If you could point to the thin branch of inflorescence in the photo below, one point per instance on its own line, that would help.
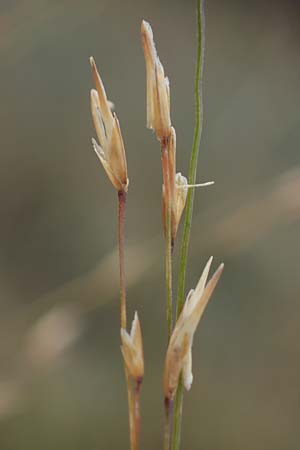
(168, 238)
(132, 398)
(121, 220)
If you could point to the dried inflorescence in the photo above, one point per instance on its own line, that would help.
(110, 149)
(179, 353)
(175, 185)
(158, 119)
(158, 88)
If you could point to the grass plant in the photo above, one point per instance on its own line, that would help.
(177, 195)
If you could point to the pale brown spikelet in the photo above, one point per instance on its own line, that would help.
(178, 200)
(179, 355)
(132, 350)
(158, 89)
(110, 149)
(181, 189)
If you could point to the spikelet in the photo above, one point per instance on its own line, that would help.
(181, 189)
(158, 89)
(179, 353)
(178, 202)
(110, 149)
(132, 350)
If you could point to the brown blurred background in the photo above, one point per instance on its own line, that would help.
(61, 378)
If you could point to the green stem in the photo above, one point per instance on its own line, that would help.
(190, 201)
(194, 155)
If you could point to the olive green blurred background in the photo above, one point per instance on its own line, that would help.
(61, 376)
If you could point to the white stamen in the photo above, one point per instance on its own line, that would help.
(208, 183)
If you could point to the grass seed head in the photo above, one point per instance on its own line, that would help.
(110, 149)
(132, 350)
(181, 190)
(158, 88)
(179, 353)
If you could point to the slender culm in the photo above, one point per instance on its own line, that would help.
(190, 199)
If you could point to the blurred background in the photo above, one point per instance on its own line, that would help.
(61, 375)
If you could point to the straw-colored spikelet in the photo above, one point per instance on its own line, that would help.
(178, 201)
(177, 204)
(181, 189)
(110, 149)
(179, 353)
(158, 90)
(132, 350)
